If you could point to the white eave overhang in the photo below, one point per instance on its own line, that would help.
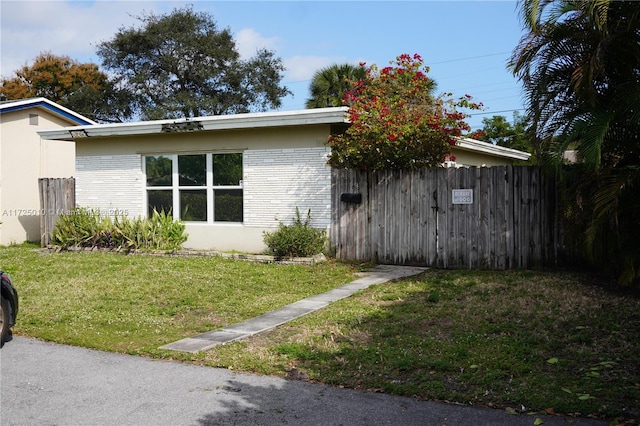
(337, 115)
(219, 122)
(467, 144)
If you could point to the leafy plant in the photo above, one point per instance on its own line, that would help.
(78, 228)
(396, 121)
(84, 227)
(329, 85)
(588, 101)
(296, 240)
(77, 86)
(181, 64)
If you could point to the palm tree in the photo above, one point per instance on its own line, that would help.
(579, 63)
(330, 84)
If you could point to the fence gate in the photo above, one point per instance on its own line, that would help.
(56, 196)
(472, 218)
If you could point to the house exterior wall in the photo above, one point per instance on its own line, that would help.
(283, 168)
(278, 181)
(113, 184)
(24, 158)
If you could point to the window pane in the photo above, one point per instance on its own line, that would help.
(193, 205)
(227, 169)
(228, 205)
(192, 170)
(158, 170)
(160, 201)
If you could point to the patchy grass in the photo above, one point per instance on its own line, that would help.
(552, 342)
(538, 341)
(136, 303)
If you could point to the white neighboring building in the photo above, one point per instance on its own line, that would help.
(25, 157)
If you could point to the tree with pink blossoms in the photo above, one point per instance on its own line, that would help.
(397, 122)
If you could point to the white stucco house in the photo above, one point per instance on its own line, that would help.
(25, 157)
(228, 177)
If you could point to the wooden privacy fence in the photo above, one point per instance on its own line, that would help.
(467, 218)
(56, 196)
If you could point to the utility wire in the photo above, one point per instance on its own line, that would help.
(428, 64)
(497, 112)
(466, 59)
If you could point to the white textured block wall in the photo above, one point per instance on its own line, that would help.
(276, 181)
(112, 183)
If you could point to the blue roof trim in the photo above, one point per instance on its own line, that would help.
(48, 106)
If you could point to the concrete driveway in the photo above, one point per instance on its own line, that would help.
(50, 384)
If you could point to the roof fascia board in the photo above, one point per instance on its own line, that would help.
(491, 149)
(48, 105)
(218, 122)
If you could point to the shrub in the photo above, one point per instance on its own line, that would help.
(299, 239)
(83, 227)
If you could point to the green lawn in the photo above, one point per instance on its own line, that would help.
(136, 303)
(546, 341)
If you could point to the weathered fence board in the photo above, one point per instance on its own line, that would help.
(408, 217)
(56, 196)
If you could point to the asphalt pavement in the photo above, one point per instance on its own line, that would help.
(49, 384)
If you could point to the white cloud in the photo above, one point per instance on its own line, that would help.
(248, 41)
(303, 67)
(61, 27)
(75, 28)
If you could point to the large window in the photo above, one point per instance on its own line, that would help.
(200, 187)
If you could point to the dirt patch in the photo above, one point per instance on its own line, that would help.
(261, 258)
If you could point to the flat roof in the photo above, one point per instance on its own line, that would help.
(335, 115)
(217, 122)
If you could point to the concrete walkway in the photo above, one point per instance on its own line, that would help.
(202, 342)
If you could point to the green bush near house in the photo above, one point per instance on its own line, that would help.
(299, 239)
(84, 227)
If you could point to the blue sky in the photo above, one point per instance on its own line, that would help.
(466, 44)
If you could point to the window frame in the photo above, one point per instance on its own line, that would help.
(209, 186)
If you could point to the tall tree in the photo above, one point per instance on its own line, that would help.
(181, 65)
(81, 87)
(330, 85)
(579, 62)
(500, 131)
(396, 121)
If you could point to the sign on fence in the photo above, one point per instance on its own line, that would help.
(462, 196)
